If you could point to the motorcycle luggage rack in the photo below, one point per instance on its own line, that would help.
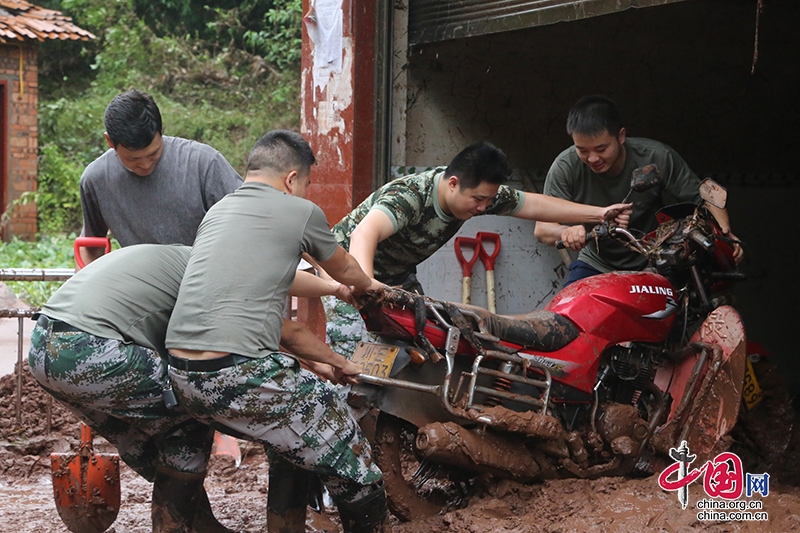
(542, 384)
(451, 347)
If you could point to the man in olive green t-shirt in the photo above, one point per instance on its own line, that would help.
(597, 171)
(225, 339)
(98, 348)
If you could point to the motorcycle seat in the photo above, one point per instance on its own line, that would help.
(540, 330)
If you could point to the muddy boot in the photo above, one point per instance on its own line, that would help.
(367, 514)
(204, 520)
(287, 497)
(174, 500)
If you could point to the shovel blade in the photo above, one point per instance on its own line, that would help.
(86, 490)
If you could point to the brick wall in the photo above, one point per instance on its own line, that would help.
(19, 151)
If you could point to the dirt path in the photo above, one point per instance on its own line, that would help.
(238, 495)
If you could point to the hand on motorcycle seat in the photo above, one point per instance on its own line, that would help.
(373, 294)
(574, 237)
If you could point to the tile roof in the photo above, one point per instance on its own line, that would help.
(21, 20)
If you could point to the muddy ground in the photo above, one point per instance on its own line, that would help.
(238, 495)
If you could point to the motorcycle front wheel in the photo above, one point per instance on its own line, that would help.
(415, 487)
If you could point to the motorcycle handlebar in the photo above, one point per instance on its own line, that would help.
(602, 231)
(702, 239)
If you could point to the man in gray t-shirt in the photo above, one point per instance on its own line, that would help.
(148, 188)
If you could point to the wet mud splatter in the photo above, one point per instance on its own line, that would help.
(238, 495)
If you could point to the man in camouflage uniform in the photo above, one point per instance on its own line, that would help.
(225, 336)
(407, 220)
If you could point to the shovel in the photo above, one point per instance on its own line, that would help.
(466, 264)
(488, 262)
(86, 487)
(89, 242)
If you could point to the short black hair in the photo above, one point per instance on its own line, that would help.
(477, 163)
(281, 151)
(132, 120)
(593, 115)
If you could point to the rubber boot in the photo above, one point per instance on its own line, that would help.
(287, 497)
(204, 520)
(367, 514)
(174, 500)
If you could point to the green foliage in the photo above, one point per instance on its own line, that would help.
(51, 252)
(75, 125)
(189, 54)
(198, 58)
(57, 199)
(280, 40)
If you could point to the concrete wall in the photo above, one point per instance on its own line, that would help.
(681, 74)
(20, 152)
(527, 274)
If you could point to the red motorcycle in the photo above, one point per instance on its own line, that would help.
(613, 372)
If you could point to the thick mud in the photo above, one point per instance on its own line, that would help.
(238, 494)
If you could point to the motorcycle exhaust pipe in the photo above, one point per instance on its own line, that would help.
(457, 446)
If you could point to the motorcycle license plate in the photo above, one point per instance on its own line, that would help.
(751, 392)
(375, 359)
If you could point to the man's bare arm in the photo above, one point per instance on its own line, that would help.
(545, 208)
(301, 342)
(88, 255)
(344, 268)
(722, 218)
(375, 227)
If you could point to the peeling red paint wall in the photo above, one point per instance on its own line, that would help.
(337, 118)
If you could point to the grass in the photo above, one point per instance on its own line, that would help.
(49, 252)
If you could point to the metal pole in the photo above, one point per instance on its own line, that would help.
(36, 274)
(19, 372)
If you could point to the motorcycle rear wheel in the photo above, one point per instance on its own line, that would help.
(415, 488)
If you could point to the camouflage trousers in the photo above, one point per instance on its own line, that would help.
(115, 388)
(344, 327)
(291, 411)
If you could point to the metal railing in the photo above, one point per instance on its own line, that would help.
(29, 274)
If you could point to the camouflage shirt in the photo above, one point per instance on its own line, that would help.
(420, 225)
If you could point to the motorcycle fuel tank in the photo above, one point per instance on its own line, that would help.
(620, 306)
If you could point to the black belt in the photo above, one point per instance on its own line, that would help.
(207, 365)
(57, 325)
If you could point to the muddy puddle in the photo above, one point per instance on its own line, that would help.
(239, 494)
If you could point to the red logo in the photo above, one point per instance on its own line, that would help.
(723, 476)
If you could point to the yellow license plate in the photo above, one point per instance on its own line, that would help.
(751, 392)
(375, 359)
